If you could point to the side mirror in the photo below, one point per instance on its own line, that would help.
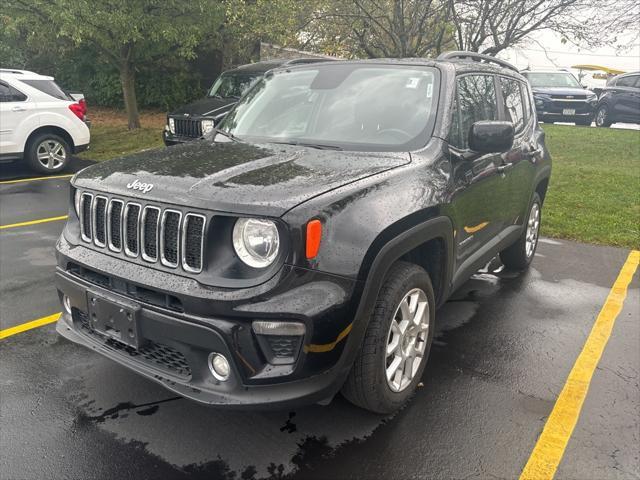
(489, 136)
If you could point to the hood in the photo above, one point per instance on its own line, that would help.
(207, 106)
(235, 177)
(562, 91)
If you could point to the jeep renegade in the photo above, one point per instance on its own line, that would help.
(303, 247)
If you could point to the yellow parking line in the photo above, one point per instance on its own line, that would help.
(34, 222)
(549, 449)
(7, 332)
(22, 180)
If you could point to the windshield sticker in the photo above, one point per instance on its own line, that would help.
(412, 82)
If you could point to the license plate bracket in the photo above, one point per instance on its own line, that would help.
(568, 111)
(116, 319)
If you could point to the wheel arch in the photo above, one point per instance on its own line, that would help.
(61, 132)
(428, 244)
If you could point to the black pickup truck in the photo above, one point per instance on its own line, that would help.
(303, 247)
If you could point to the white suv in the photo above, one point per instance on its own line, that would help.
(40, 122)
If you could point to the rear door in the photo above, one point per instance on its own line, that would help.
(14, 110)
(477, 201)
(519, 162)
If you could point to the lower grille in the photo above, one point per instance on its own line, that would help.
(155, 354)
(188, 127)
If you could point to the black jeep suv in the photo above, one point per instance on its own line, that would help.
(304, 246)
(192, 121)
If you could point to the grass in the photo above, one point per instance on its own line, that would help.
(110, 137)
(593, 197)
(594, 193)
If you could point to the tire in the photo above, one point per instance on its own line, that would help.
(47, 153)
(519, 255)
(603, 118)
(367, 385)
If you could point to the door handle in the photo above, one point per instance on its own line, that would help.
(504, 167)
(18, 109)
(534, 153)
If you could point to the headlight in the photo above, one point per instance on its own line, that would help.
(207, 126)
(76, 202)
(172, 126)
(256, 241)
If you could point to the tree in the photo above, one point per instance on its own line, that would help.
(490, 26)
(380, 28)
(127, 33)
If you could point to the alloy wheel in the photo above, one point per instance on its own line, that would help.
(51, 154)
(407, 340)
(533, 229)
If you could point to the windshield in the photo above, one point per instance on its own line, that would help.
(553, 80)
(232, 85)
(349, 106)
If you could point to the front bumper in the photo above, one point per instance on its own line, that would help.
(176, 344)
(556, 110)
(169, 139)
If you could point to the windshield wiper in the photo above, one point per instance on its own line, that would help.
(229, 135)
(319, 146)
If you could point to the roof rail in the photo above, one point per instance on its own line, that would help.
(478, 57)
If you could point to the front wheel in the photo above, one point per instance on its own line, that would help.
(48, 153)
(519, 255)
(603, 119)
(397, 342)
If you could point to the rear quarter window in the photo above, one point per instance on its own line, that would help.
(49, 87)
(513, 104)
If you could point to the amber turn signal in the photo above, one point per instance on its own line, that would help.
(314, 234)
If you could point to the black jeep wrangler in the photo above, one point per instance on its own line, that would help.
(304, 246)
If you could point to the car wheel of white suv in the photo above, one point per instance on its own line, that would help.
(48, 153)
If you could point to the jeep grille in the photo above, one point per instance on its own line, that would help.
(156, 235)
(185, 127)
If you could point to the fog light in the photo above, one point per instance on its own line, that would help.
(219, 366)
(66, 303)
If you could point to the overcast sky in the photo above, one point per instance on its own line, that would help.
(546, 50)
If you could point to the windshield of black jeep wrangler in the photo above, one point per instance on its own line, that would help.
(348, 106)
(232, 85)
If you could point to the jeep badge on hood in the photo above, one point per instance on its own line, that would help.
(138, 185)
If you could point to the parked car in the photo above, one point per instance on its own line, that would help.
(619, 101)
(559, 97)
(40, 123)
(303, 248)
(198, 118)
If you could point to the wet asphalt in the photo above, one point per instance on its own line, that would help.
(504, 347)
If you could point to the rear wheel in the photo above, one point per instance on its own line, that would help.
(48, 153)
(603, 118)
(397, 342)
(519, 255)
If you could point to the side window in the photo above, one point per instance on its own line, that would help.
(626, 81)
(514, 110)
(10, 94)
(528, 108)
(476, 100)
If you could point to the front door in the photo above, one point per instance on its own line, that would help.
(479, 182)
